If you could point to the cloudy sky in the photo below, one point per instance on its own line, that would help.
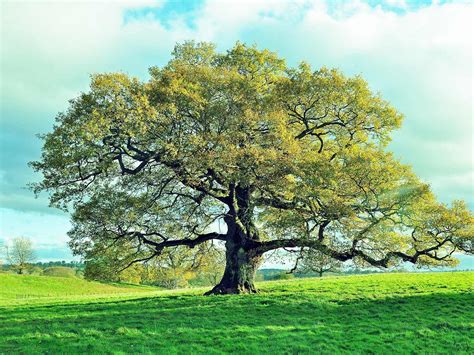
(418, 54)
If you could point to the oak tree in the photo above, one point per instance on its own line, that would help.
(239, 148)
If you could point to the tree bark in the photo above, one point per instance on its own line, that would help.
(242, 258)
(240, 269)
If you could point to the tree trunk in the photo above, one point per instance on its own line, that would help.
(240, 269)
(242, 261)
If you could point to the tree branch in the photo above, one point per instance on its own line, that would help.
(263, 247)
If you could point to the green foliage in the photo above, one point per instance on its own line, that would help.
(282, 275)
(59, 271)
(389, 313)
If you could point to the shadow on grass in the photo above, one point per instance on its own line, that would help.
(434, 323)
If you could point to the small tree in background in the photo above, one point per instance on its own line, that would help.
(315, 261)
(21, 254)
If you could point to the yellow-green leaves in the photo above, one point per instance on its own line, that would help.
(119, 103)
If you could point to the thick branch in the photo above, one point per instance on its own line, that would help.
(263, 247)
(189, 242)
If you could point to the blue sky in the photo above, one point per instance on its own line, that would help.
(418, 54)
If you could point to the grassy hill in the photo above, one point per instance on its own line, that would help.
(21, 288)
(384, 313)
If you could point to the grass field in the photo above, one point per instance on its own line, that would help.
(385, 313)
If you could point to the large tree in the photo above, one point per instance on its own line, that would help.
(240, 148)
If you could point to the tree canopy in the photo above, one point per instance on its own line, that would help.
(240, 148)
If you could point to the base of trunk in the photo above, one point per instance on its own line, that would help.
(239, 274)
(221, 289)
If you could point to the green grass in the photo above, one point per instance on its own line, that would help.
(387, 313)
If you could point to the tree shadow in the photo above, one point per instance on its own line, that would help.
(429, 322)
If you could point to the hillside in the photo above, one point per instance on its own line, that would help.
(28, 288)
(383, 313)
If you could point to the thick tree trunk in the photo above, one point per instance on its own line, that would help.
(242, 261)
(240, 269)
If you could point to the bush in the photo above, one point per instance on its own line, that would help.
(173, 278)
(35, 270)
(105, 271)
(59, 271)
(281, 276)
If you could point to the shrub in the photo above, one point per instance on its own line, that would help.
(59, 271)
(282, 276)
(35, 270)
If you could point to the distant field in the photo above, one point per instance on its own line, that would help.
(384, 313)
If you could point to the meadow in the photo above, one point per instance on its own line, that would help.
(383, 313)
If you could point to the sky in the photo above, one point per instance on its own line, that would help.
(417, 54)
